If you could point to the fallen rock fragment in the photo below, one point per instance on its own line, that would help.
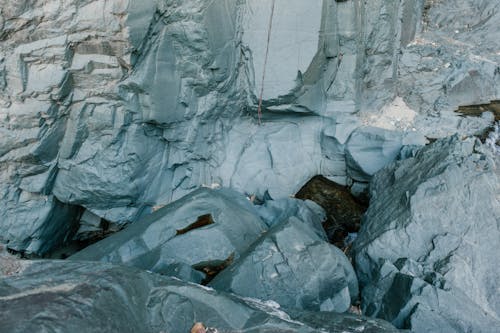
(343, 211)
(200, 232)
(294, 267)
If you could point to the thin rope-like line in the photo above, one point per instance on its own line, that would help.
(259, 110)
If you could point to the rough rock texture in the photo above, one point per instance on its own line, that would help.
(209, 231)
(455, 60)
(119, 106)
(201, 230)
(343, 211)
(59, 296)
(426, 251)
(273, 212)
(295, 267)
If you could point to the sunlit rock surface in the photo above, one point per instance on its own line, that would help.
(295, 267)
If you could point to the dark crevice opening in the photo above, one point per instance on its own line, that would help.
(212, 268)
(200, 222)
(343, 210)
(106, 229)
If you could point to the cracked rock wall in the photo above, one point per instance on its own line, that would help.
(114, 107)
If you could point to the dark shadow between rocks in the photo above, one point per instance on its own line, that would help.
(478, 109)
(77, 243)
(212, 268)
(343, 210)
(200, 222)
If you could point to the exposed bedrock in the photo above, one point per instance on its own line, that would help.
(295, 267)
(99, 297)
(428, 240)
(116, 113)
(202, 229)
(217, 237)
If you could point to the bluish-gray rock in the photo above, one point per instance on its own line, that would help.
(452, 61)
(122, 114)
(69, 296)
(295, 267)
(369, 149)
(273, 212)
(426, 251)
(205, 228)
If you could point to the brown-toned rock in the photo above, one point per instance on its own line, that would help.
(343, 211)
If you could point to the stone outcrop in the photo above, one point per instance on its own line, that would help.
(218, 234)
(427, 245)
(199, 231)
(120, 114)
(293, 266)
(63, 296)
(115, 113)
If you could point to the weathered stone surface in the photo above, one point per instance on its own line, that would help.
(143, 103)
(273, 212)
(201, 230)
(62, 296)
(288, 58)
(295, 267)
(334, 322)
(453, 61)
(370, 148)
(426, 248)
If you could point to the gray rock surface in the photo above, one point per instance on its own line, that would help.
(172, 240)
(62, 296)
(370, 148)
(454, 61)
(426, 251)
(273, 212)
(295, 267)
(146, 101)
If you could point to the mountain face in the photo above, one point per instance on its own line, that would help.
(112, 109)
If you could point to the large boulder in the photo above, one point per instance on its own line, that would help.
(70, 296)
(204, 229)
(295, 267)
(426, 251)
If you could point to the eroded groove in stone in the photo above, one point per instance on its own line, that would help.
(200, 222)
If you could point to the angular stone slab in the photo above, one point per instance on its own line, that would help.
(202, 229)
(293, 266)
(426, 251)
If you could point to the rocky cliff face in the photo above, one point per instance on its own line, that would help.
(113, 107)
